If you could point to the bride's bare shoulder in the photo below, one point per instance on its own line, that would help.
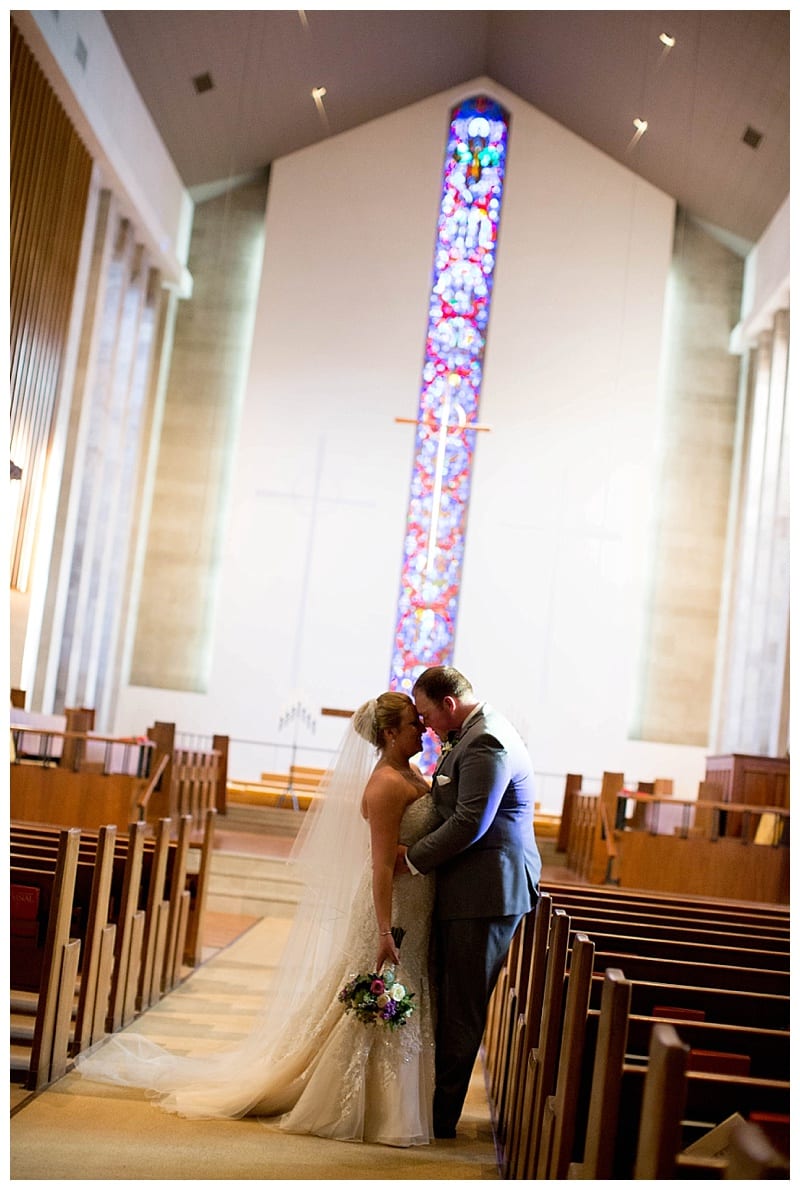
(386, 787)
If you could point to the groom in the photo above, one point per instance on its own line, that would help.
(487, 869)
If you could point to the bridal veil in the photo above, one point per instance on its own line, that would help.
(328, 857)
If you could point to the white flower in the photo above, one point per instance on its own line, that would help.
(398, 992)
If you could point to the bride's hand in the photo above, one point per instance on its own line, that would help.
(387, 952)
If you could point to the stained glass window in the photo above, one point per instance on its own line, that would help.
(463, 272)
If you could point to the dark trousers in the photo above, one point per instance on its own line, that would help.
(469, 957)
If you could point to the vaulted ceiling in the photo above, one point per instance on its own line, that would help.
(230, 91)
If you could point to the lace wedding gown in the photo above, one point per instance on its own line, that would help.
(331, 1074)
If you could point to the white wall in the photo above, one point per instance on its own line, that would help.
(552, 589)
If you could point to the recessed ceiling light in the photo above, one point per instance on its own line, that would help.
(318, 94)
(666, 40)
(640, 125)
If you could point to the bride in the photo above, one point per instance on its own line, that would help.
(321, 1069)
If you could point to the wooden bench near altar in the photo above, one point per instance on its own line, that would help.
(65, 774)
(710, 846)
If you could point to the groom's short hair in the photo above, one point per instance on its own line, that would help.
(440, 681)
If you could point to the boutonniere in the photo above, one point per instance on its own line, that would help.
(452, 736)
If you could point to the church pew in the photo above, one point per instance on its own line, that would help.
(502, 1006)
(759, 1057)
(47, 1060)
(639, 965)
(705, 952)
(694, 930)
(674, 905)
(196, 876)
(721, 1005)
(610, 1109)
(134, 948)
(766, 1049)
(560, 1105)
(102, 994)
(538, 1072)
(178, 914)
(524, 1010)
(98, 949)
(608, 1094)
(124, 888)
(515, 1154)
(202, 846)
(709, 1100)
(192, 780)
(89, 923)
(156, 905)
(598, 1114)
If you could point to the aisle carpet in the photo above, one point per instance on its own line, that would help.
(77, 1129)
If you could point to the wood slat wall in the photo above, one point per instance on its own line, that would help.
(49, 186)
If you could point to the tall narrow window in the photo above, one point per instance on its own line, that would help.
(463, 272)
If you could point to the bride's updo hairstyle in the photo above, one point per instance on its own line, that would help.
(373, 718)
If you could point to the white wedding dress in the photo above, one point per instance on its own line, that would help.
(326, 1073)
(370, 1082)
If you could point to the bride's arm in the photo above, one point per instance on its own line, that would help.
(385, 800)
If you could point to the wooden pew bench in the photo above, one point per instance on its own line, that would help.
(768, 936)
(194, 856)
(105, 925)
(766, 1050)
(639, 965)
(685, 908)
(44, 1057)
(705, 951)
(720, 1005)
(539, 1061)
(709, 1100)
(615, 1136)
(136, 917)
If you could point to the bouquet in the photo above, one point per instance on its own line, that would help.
(379, 997)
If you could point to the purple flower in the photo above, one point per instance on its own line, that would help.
(377, 986)
(389, 1011)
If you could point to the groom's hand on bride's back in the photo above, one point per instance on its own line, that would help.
(400, 865)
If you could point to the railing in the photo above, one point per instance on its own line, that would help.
(713, 820)
(709, 847)
(77, 750)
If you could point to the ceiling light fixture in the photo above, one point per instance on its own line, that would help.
(641, 128)
(666, 40)
(318, 94)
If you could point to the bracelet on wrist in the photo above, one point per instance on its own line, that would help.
(384, 933)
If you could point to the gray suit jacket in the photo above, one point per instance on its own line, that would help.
(484, 853)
